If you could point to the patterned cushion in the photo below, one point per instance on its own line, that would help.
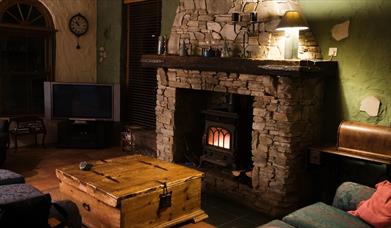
(276, 224)
(9, 177)
(349, 194)
(23, 206)
(17, 192)
(320, 215)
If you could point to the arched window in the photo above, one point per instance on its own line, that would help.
(27, 41)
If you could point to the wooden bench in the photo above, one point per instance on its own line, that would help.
(361, 141)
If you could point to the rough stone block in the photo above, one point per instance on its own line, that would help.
(255, 86)
(173, 44)
(218, 7)
(213, 26)
(220, 89)
(193, 29)
(179, 85)
(188, 4)
(244, 91)
(216, 36)
(247, 77)
(162, 77)
(200, 4)
(228, 32)
(205, 18)
(192, 23)
(223, 18)
(170, 92)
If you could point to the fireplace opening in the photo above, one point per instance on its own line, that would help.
(213, 131)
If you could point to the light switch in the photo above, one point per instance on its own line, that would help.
(333, 51)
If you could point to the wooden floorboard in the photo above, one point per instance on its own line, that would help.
(38, 166)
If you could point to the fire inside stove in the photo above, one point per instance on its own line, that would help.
(219, 137)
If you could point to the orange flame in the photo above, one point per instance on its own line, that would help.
(219, 137)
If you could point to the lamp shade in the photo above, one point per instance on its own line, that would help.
(292, 20)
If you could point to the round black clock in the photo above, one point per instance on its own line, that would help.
(78, 25)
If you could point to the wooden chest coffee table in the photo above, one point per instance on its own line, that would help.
(133, 191)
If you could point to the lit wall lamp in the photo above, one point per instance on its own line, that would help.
(292, 22)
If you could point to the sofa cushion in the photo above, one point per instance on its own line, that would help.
(23, 206)
(349, 195)
(9, 177)
(320, 215)
(276, 224)
(377, 209)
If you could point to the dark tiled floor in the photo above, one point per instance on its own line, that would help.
(228, 214)
(38, 166)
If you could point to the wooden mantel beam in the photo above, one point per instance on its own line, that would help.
(287, 68)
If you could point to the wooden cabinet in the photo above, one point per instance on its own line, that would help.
(134, 191)
(90, 134)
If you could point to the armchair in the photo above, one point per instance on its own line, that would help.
(22, 205)
(4, 139)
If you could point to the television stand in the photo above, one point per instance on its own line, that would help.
(85, 134)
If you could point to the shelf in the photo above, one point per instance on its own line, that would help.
(288, 68)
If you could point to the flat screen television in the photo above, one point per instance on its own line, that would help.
(77, 101)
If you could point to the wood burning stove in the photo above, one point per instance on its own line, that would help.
(219, 140)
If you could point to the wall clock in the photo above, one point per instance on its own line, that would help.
(78, 24)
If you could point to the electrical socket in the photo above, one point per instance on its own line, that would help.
(333, 51)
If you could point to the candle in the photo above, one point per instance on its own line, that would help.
(235, 17)
(253, 17)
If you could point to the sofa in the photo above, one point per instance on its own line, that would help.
(321, 215)
(22, 205)
(4, 139)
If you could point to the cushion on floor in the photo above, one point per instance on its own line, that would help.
(23, 206)
(320, 215)
(276, 224)
(9, 177)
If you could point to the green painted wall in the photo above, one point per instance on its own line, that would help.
(364, 57)
(109, 37)
(168, 14)
(364, 60)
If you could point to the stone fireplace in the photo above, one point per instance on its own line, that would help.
(285, 120)
(285, 99)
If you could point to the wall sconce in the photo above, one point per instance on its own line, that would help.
(292, 22)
